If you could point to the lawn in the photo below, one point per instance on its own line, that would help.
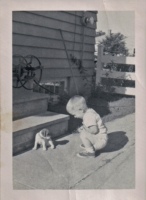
(113, 107)
(109, 107)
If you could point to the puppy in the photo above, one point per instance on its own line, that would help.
(43, 138)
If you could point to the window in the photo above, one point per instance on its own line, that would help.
(54, 88)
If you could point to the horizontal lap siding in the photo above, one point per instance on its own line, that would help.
(48, 33)
(63, 63)
(61, 73)
(38, 33)
(80, 13)
(50, 53)
(26, 17)
(40, 42)
(72, 19)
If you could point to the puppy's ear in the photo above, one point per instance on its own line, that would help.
(47, 132)
(43, 133)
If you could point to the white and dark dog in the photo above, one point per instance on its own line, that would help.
(43, 139)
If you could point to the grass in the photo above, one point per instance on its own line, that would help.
(120, 108)
(108, 106)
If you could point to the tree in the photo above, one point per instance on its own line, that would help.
(114, 43)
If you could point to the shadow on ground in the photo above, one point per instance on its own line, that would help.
(62, 142)
(116, 141)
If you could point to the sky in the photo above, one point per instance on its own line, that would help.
(118, 21)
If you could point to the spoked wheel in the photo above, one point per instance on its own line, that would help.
(33, 72)
(19, 64)
(27, 71)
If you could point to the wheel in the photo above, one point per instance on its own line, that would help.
(19, 64)
(33, 72)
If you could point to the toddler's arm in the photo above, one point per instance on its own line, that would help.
(91, 129)
(80, 129)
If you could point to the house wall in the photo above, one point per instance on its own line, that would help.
(38, 33)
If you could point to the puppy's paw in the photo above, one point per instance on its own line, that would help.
(34, 148)
(52, 147)
(44, 149)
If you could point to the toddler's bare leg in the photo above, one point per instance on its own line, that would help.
(86, 141)
(101, 141)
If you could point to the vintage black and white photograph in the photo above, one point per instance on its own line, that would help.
(73, 86)
(72, 100)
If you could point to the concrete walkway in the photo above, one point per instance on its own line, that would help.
(113, 168)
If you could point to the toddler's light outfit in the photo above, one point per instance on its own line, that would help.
(97, 141)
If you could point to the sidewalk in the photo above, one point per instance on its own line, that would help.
(60, 168)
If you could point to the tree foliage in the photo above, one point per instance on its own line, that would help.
(115, 44)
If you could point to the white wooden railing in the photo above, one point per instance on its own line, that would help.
(121, 82)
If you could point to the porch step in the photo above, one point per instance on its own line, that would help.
(27, 103)
(24, 130)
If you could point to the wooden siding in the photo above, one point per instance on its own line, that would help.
(49, 43)
(38, 33)
(40, 20)
(48, 33)
(61, 73)
(51, 53)
(75, 17)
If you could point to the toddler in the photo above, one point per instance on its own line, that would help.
(93, 132)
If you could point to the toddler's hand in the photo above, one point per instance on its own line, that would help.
(80, 129)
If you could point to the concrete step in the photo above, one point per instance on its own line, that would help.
(27, 103)
(24, 130)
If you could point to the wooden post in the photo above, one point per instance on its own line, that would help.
(99, 64)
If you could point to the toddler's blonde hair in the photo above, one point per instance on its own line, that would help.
(76, 103)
